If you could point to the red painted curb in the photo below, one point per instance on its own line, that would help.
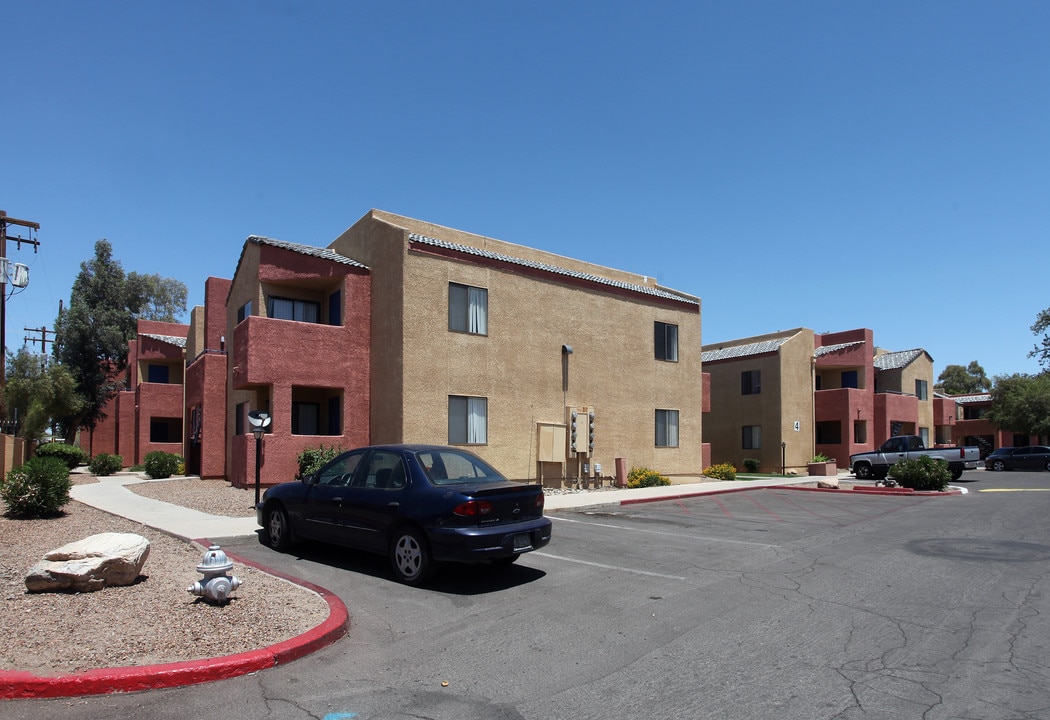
(17, 684)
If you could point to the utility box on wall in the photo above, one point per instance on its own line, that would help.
(550, 445)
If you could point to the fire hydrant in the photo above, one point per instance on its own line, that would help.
(216, 584)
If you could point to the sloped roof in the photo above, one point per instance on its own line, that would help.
(553, 269)
(828, 349)
(169, 339)
(975, 398)
(323, 253)
(897, 360)
(739, 351)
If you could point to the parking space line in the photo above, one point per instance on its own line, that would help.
(610, 567)
(660, 532)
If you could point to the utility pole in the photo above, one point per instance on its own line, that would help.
(43, 338)
(6, 221)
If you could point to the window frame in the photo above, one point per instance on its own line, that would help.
(748, 437)
(667, 433)
(471, 432)
(468, 312)
(299, 307)
(665, 341)
(751, 382)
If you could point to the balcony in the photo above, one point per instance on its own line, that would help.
(268, 351)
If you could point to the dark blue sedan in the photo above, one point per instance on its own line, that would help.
(419, 504)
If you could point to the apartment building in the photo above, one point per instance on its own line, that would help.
(147, 412)
(784, 397)
(553, 369)
(973, 428)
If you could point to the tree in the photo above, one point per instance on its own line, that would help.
(1042, 350)
(37, 392)
(959, 380)
(1021, 403)
(92, 334)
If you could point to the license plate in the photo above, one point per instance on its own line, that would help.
(522, 542)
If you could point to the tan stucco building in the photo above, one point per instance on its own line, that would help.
(785, 397)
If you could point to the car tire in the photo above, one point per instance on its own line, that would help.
(956, 474)
(862, 471)
(410, 557)
(1048, 464)
(998, 465)
(278, 530)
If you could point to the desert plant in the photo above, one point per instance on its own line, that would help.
(71, 455)
(819, 458)
(36, 489)
(751, 464)
(160, 465)
(312, 459)
(644, 477)
(922, 473)
(105, 464)
(722, 471)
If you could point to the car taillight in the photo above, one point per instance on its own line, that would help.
(539, 501)
(473, 508)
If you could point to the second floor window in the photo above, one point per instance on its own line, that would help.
(244, 311)
(922, 390)
(751, 382)
(468, 309)
(288, 309)
(665, 341)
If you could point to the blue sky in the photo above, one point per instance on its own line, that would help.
(829, 165)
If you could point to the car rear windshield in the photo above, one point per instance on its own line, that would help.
(451, 467)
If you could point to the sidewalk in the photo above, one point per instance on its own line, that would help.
(111, 495)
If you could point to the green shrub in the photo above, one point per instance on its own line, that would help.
(723, 471)
(751, 464)
(160, 465)
(819, 458)
(105, 464)
(71, 455)
(312, 459)
(922, 473)
(644, 477)
(36, 489)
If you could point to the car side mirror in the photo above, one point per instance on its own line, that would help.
(309, 479)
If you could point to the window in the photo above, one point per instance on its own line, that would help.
(335, 308)
(468, 309)
(291, 309)
(921, 390)
(306, 417)
(240, 413)
(752, 437)
(849, 379)
(165, 430)
(341, 470)
(666, 428)
(924, 433)
(665, 341)
(468, 419)
(157, 374)
(244, 311)
(751, 382)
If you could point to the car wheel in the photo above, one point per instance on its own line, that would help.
(862, 471)
(1048, 464)
(278, 531)
(956, 474)
(998, 465)
(410, 557)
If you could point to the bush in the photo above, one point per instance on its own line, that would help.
(160, 465)
(644, 477)
(751, 464)
(922, 473)
(36, 489)
(819, 458)
(723, 471)
(105, 464)
(312, 459)
(71, 455)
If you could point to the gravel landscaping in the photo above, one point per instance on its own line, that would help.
(152, 621)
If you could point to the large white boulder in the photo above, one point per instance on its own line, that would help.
(90, 564)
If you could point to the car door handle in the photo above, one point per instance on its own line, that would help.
(393, 505)
(337, 500)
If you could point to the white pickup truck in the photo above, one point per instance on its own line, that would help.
(877, 464)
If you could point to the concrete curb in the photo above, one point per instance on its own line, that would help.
(865, 491)
(23, 685)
